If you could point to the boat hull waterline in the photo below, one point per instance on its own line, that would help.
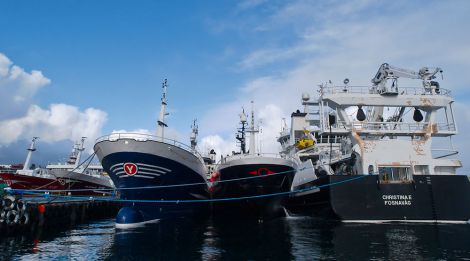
(253, 178)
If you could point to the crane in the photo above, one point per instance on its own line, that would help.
(386, 72)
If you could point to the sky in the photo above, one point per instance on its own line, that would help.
(88, 68)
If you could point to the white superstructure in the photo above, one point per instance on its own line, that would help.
(384, 129)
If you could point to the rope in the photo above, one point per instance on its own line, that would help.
(167, 186)
(217, 199)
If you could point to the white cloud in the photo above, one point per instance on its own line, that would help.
(267, 120)
(220, 145)
(17, 87)
(59, 122)
(21, 119)
(268, 56)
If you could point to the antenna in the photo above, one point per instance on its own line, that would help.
(161, 119)
(252, 130)
(241, 132)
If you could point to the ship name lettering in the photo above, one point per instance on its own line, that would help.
(397, 200)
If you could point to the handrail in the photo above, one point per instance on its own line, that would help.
(9, 171)
(240, 156)
(147, 137)
(393, 126)
(368, 90)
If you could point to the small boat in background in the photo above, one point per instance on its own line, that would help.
(81, 175)
(58, 177)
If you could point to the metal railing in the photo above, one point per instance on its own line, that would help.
(393, 126)
(146, 137)
(370, 90)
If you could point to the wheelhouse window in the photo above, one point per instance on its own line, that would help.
(389, 174)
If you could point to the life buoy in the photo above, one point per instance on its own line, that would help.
(11, 217)
(8, 202)
(215, 176)
(23, 219)
(21, 206)
(2, 216)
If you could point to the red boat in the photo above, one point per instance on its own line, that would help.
(59, 177)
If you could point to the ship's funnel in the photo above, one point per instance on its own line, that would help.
(417, 115)
(360, 116)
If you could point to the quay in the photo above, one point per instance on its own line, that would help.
(28, 214)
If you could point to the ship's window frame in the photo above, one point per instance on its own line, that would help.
(395, 174)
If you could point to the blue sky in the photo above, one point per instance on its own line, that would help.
(99, 64)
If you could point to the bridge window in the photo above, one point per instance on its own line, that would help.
(389, 174)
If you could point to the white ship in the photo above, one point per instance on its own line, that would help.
(367, 152)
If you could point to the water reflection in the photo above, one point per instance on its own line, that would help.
(166, 240)
(331, 240)
(295, 238)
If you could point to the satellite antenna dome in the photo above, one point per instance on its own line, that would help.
(346, 81)
(305, 97)
(242, 117)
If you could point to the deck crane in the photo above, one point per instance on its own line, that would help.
(386, 72)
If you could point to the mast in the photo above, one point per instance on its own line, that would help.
(30, 153)
(78, 151)
(194, 132)
(241, 132)
(252, 130)
(161, 119)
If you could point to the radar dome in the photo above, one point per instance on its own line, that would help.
(305, 96)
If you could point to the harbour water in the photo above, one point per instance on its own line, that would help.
(291, 238)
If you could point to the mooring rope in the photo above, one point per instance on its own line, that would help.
(214, 199)
(162, 186)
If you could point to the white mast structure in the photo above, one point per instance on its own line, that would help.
(78, 148)
(161, 119)
(252, 131)
(31, 148)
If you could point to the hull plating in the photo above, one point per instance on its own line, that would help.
(430, 198)
(26, 182)
(261, 182)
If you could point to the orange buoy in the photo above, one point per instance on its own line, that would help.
(42, 209)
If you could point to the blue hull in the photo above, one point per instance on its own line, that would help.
(154, 171)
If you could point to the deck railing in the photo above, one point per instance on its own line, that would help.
(392, 127)
(370, 90)
(147, 137)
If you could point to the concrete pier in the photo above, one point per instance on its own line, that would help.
(28, 214)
